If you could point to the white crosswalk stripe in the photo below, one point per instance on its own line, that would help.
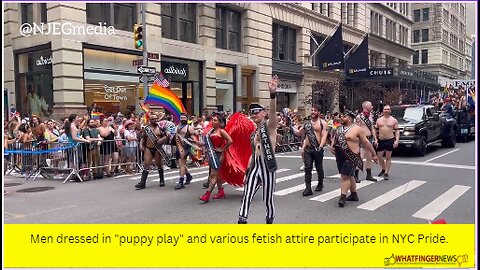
(442, 202)
(286, 178)
(391, 195)
(335, 193)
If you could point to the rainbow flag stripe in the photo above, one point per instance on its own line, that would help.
(159, 95)
(96, 115)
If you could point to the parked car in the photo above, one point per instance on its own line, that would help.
(421, 126)
(466, 125)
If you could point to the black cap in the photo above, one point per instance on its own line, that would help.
(255, 107)
(349, 113)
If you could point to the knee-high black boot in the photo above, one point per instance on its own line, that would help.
(162, 178)
(143, 180)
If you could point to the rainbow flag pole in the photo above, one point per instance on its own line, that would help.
(163, 96)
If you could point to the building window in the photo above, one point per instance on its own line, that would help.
(120, 16)
(416, 36)
(27, 13)
(179, 21)
(415, 57)
(424, 56)
(416, 15)
(444, 57)
(225, 85)
(43, 13)
(228, 28)
(284, 43)
(446, 17)
(425, 35)
(426, 14)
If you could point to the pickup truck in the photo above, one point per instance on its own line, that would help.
(421, 126)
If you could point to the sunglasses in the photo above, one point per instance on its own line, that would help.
(255, 111)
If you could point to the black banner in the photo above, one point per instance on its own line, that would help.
(330, 55)
(357, 61)
(175, 71)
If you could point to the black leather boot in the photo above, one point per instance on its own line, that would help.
(341, 201)
(353, 197)
(308, 190)
(269, 220)
(242, 220)
(206, 184)
(180, 184)
(319, 186)
(189, 179)
(356, 176)
(369, 176)
(143, 180)
(162, 178)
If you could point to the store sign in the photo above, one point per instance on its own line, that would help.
(44, 61)
(175, 71)
(287, 86)
(464, 83)
(381, 72)
(115, 93)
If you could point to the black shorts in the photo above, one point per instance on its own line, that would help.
(385, 145)
(344, 165)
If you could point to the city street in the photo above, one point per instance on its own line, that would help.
(440, 185)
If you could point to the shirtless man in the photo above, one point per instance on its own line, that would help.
(262, 164)
(346, 148)
(182, 141)
(388, 138)
(315, 139)
(365, 121)
(149, 144)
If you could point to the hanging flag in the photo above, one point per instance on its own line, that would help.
(330, 53)
(162, 96)
(357, 61)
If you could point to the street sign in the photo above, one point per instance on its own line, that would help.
(138, 62)
(149, 78)
(153, 56)
(146, 70)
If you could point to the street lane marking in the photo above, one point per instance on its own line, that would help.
(442, 202)
(379, 178)
(336, 193)
(415, 163)
(391, 195)
(205, 177)
(289, 190)
(286, 178)
(15, 216)
(442, 155)
(166, 173)
(171, 177)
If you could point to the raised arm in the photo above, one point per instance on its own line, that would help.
(272, 117)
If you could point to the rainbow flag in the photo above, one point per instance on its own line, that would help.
(159, 95)
(96, 115)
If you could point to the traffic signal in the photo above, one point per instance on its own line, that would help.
(138, 35)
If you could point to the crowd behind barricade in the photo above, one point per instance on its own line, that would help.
(107, 144)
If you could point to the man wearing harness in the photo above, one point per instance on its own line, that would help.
(150, 143)
(182, 136)
(365, 121)
(262, 164)
(346, 148)
(315, 139)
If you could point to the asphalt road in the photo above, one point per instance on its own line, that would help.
(440, 185)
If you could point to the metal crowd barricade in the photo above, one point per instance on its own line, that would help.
(287, 140)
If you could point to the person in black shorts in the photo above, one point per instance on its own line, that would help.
(346, 148)
(388, 137)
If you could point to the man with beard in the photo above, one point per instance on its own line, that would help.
(388, 137)
(150, 144)
(346, 148)
(365, 121)
(316, 137)
(182, 140)
(262, 164)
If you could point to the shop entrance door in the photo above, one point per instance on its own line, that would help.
(184, 91)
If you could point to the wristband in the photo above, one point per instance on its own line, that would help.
(273, 95)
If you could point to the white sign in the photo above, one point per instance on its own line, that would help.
(44, 61)
(146, 70)
(175, 71)
(287, 87)
(464, 83)
(115, 92)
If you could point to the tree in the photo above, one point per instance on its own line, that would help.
(324, 94)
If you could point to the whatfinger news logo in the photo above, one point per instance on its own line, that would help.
(57, 29)
(426, 259)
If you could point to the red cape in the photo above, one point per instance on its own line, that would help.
(232, 169)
